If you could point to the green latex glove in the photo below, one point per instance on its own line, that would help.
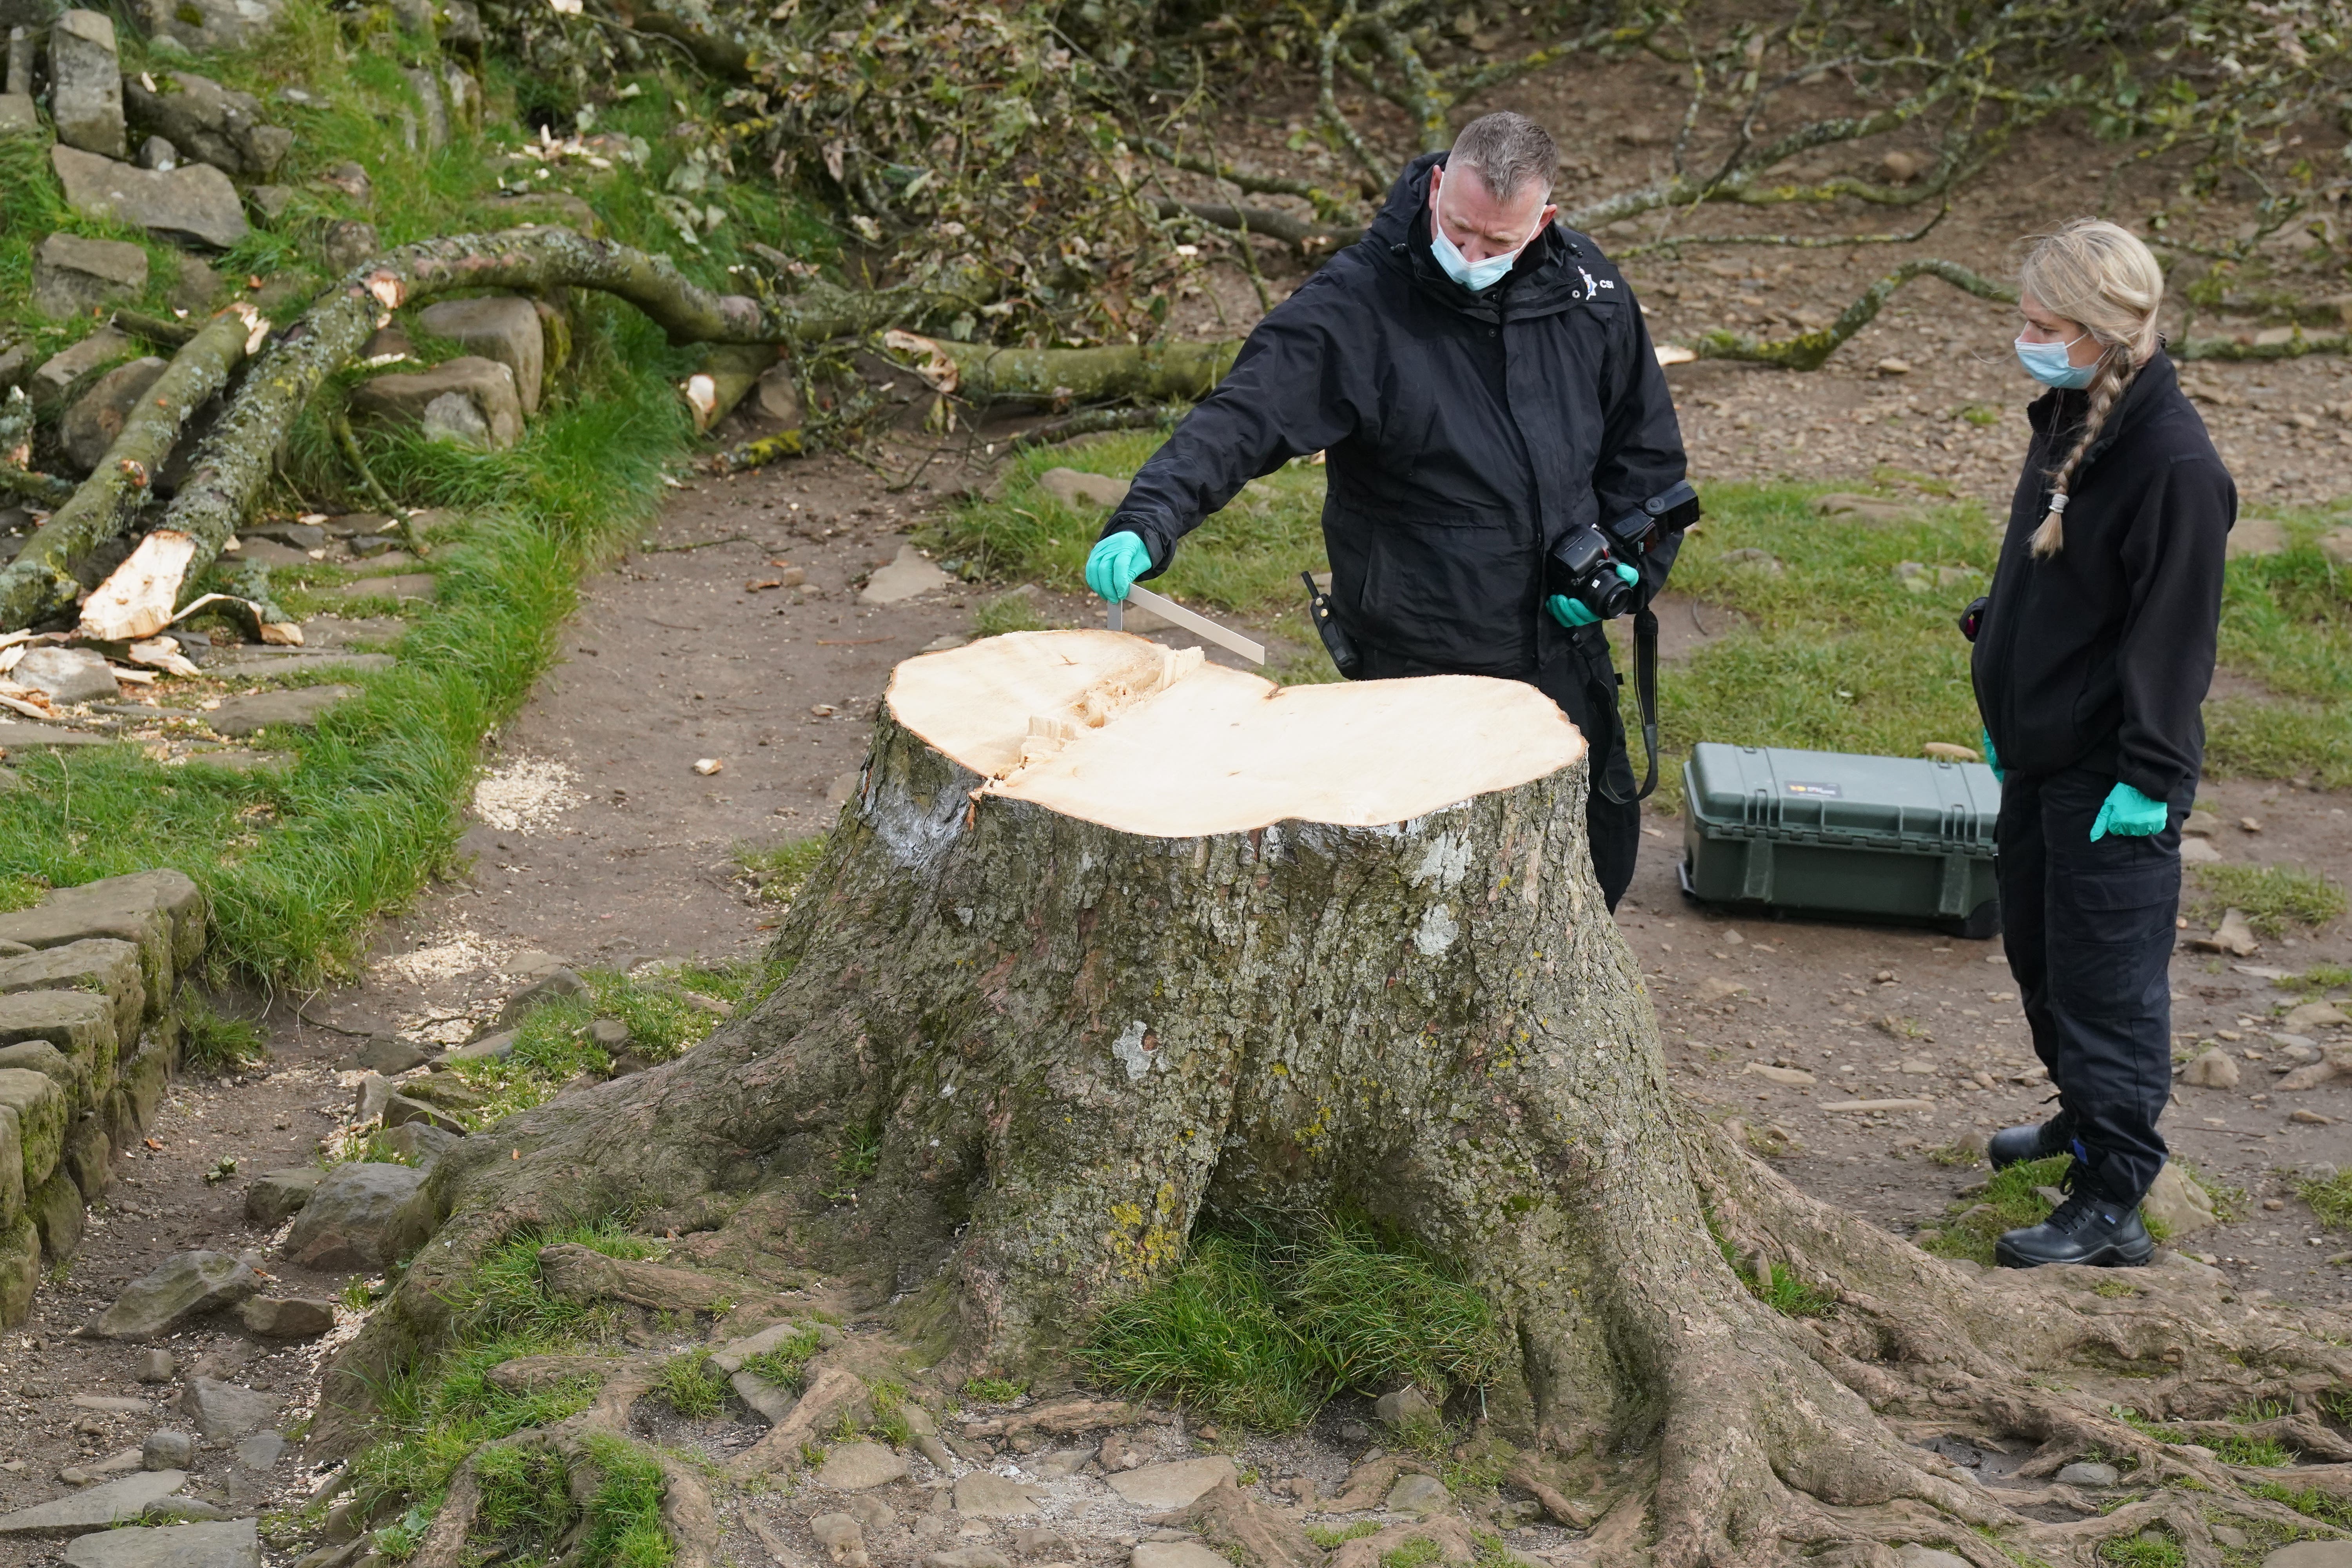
(2129, 813)
(1992, 761)
(1573, 612)
(1114, 564)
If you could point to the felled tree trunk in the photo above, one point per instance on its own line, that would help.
(40, 580)
(1105, 935)
(235, 461)
(983, 372)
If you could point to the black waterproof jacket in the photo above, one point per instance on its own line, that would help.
(2100, 656)
(1467, 435)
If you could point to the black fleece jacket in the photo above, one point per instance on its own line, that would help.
(2100, 656)
(1466, 436)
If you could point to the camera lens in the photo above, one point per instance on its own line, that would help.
(1610, 594)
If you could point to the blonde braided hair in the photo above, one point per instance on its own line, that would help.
(2100, 277)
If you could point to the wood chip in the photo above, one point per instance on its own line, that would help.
(707, 766)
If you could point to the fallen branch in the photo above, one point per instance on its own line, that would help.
(982, 372)
(236, 461)
(156, 329)
(1310, 240)
(1674, 244)
(347, 442)
(1090, 421)
(729, 373)
(2295, 347)
(1254, 184)
(39, 582)
(1811, 351)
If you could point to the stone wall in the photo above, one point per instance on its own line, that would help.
(89, 1035)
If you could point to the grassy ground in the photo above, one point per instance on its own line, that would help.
(298, 865)
(552, 1045)
(1261, 1327)
(1844, 639)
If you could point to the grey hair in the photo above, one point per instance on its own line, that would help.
(1507, 151)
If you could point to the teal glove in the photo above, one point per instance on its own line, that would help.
(1574, 612)
(1992, 760)
(1114, 564)
(2129, 813)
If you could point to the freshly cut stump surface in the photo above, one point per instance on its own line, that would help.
(1113, 729)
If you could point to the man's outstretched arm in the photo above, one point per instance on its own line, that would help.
(1281, 400)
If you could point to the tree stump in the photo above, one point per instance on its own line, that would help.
(1106, 934)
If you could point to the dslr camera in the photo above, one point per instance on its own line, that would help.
(1583, 566)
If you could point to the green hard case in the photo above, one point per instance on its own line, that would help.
(1900, 839)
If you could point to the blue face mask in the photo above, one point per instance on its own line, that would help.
(1476, 276)
(2047, 363)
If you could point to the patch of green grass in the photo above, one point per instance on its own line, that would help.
(526, 1503)
(890, 1419)
(2330, 1201)
(1330, 1538)
(1246, 558)
(993, 1389)
(2115, 1290)
(20, 893)
(692, 1385)
(781, 870)
(1261, 1327)
(551, 1043)
(2320, 977)
(785, 1364)
(1956, 1156)
(2149, 1549)
(2008, 1203)
(1012, 611)
(2280, 738)
(1792, 1297)
(1417, 1551)
(434, 1413)
(212, 1043)
(2272, 895)
(2312, 1504)
(625, 1527)
(2265, 1452)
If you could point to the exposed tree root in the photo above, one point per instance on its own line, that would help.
(1811, 351)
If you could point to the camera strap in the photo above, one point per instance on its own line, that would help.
(1645, 696)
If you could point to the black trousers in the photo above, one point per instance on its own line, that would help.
(1583, 681)
(2089, 931)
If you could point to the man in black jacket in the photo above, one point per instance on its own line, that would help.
(1485, 388)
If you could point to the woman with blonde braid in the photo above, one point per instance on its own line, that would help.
(2092, 654)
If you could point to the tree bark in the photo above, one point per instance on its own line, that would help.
(1359, 961)
(41, 581)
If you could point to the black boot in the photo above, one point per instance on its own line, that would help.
(2089, 1227)
(2015, 1145)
